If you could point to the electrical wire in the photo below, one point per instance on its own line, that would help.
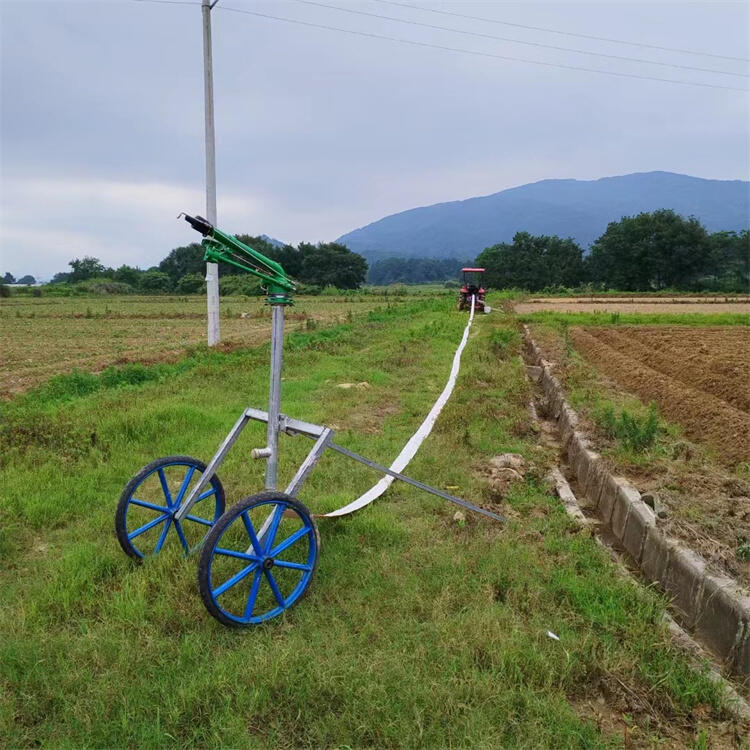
(557, 31)
(519, 41)
(475, 53)
(170, 2)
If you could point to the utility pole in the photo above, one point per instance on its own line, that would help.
(212, 269)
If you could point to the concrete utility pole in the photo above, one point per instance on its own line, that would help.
(212, 269)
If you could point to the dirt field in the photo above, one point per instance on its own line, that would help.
(44, 337)
(678, 305)
(699, 378)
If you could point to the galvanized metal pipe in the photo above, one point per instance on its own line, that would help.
(274, 395)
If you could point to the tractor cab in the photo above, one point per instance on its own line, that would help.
(472, 287)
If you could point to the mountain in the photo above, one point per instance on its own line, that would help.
(272, 241)
(569, 208)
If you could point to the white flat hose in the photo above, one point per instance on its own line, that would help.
(410, 449)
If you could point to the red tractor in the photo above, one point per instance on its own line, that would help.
(472, 288)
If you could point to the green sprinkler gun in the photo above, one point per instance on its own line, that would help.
(221, 247)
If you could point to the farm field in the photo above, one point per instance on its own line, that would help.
(699, 378)
(696, 376)
(421, 629)
(49, 336)
(678, 305)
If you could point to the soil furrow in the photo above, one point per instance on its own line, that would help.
(704, 417)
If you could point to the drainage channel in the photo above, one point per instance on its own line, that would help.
(568, 490)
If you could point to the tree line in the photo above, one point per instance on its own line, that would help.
(414, 270)
(648, 252)
(26, 280)
(183, 270)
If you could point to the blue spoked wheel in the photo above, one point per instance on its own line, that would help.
(145, 521)
(258, 560)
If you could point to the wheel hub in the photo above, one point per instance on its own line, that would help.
(268, 563)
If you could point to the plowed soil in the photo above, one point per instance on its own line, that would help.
(664, 305)
(698, 377)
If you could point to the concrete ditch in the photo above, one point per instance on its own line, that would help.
(714, 608)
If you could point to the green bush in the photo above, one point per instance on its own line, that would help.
(191, 283)
(102, 286)
(311, 289)
(155, 282)
(635, 433)
(4, 290)
(235, 284)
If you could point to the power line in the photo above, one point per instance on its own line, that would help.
(520, 41)
(170, 2)
(476, 53)
(564, 33)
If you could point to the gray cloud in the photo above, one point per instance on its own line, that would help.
(319, 132)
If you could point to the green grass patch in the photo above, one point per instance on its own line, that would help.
(418, 631)
(636, 433)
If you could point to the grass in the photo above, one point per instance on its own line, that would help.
(418, 631)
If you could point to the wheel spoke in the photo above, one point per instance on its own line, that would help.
(206, 494)
(178, 529)
(289, 541)
(235, 579)
(204, 521)
(149, 525)
(165, 487)
(274, 588)
(275, 521)
(293, 565)
(144, 504)
(184, 486)
(251, 533)
(234, 553)
(252, 597)
(163, 536)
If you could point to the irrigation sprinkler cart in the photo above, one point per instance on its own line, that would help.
(245, 574)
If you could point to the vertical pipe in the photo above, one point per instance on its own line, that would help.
(274, 395)
(212, 269)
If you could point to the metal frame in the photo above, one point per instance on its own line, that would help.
(277, 423)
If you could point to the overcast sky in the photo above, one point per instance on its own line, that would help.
(320, 132)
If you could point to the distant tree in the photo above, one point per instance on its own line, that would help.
(730, 260)
(28, 280)
(191, 283)
(182, 261)
(651, 251)
(60, 278)
(127, 275)
(9, 278)
(413, 270)
(154, 281)
(533, 263)
(331, 264)
(85, 268)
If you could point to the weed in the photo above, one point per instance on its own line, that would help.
(635, 433)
